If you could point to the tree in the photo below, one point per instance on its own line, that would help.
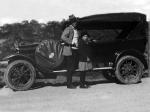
(29, 32)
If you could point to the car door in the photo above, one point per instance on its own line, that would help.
(103, 45)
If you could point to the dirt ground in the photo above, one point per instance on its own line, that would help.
(102, 96)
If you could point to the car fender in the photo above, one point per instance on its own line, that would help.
(131, 52)
(13, 57)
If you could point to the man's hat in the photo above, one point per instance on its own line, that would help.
(72, 19)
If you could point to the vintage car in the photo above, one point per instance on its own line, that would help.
(118, 42)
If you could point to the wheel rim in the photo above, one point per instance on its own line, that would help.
(20, 75)
(129, 70)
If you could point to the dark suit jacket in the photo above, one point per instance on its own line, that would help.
(84, 51)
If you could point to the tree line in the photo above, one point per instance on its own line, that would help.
(27, 32)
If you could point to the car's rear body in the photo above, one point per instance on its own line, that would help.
(114, 34)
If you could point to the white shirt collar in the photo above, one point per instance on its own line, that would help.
(72, 26)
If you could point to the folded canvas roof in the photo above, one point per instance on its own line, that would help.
(115, 17)
(111, 21)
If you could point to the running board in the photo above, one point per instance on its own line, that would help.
(94, 69)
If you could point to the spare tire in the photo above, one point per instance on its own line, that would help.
(48, 54)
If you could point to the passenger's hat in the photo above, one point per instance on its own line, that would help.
(72, 19)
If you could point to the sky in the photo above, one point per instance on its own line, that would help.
(49, 10)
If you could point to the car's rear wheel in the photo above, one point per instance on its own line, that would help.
(129, 70)
(20, 75)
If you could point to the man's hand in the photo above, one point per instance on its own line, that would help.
(75, 41)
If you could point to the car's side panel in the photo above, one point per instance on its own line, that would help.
(106, 52)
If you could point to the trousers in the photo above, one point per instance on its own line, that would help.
(72, 64)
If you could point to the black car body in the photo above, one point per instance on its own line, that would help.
(118, 41)
(117, 34)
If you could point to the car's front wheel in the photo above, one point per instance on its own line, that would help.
(20, 75)
(129, 70)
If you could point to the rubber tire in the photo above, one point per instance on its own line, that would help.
(32, 78)
(109, 75)
(140, 72)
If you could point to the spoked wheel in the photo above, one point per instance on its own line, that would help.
(109, 75)
(20, 75)
(129, 70)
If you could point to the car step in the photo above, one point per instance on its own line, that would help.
(94, 69)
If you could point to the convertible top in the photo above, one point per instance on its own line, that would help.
(111, 21)
(115, 17)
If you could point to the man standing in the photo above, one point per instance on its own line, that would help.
(70, 37)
